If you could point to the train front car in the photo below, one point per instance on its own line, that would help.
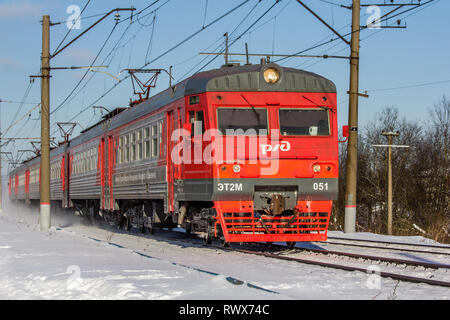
(270, 147)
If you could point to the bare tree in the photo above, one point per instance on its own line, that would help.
(421, 176)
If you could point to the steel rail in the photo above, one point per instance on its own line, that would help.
(375, 258)
(383, 274)
(390, 247)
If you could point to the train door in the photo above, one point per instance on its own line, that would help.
(173, 121)
(106, 159)
(65, 176)
(27, 185)
(104, 202)
(110, 163)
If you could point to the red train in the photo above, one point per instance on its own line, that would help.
(243, 153)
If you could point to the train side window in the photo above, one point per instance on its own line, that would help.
(147, 143)
(92, 160)
(154, 141)
(139, 144)
(160, 132)
(121, 153)
(88, 161)
(133, 146)
(126, 148)
(84, 161)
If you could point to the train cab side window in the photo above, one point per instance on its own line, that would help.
(197, 121)
(194, 100)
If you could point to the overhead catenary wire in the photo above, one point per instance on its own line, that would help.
(70, 29)
(27, 91)
(163, 54)
(385, 19)
(20, 119)
(84, 75)
(240, 36)
(221, 42)
(115, 48)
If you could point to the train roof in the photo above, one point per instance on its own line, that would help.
(250, 78)
(228, 78)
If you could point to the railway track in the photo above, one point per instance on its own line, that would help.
(395, 261)
(395, 276)
(285, 255)
(280, 255)
(385, 245)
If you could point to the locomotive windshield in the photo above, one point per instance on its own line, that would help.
(304, 122)
(242, 121)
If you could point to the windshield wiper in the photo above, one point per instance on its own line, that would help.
(253, 108)
(323, 107)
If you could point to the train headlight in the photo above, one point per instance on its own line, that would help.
(237, 168)
(271, 75)
(316, 168)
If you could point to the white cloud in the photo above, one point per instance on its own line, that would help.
(78, 55)
(9, 64)
(24, 10)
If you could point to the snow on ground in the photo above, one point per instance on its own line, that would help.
(75, 261)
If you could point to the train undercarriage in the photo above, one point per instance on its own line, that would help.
(227, 221)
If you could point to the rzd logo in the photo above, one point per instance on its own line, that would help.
(283, 146)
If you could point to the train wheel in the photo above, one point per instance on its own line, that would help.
(207, 239)
(127, 224)
(142, 228)
(223, 242)
(290, 244)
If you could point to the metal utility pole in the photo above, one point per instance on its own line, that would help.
(352, 145)
(1, 177)
(45, 111)
(45, 126)
(389, 136)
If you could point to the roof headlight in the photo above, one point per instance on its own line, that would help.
(271, 75)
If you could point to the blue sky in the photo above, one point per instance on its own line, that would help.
(390, 58)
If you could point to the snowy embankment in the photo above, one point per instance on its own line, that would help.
(75, 261)
(59, 265)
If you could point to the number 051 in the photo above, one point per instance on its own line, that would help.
(320, 186)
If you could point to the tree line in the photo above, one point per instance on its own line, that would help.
(420, 175)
